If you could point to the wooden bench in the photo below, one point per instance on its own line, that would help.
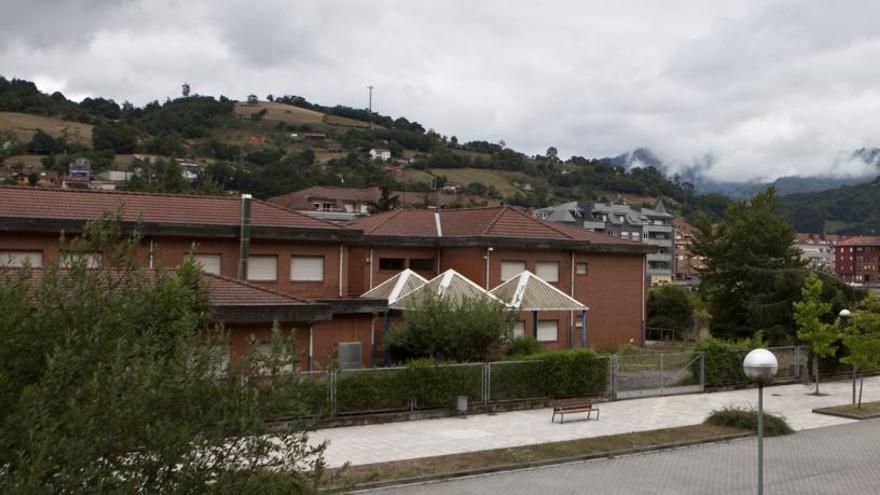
(570, 406)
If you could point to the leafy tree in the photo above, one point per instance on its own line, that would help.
(669, 307)
(749, 243)
(120, 138)
(810, 315)
(862, 339)
(110, 382)
(44, 144)
(386, 202)
(457, 330)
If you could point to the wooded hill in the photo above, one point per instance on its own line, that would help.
(269, 147)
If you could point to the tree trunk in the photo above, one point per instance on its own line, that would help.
(861, 385)
(816, 371)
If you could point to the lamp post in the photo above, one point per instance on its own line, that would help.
(760, 365)
(844, 319)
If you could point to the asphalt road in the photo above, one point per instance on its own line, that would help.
(842, 459)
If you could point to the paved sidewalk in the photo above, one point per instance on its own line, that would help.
(413, 439)
(824, 461)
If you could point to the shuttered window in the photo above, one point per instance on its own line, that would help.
(262, 268)
(209, 263)
(548, 330)
(510, 269)
(307, 268)
(547, 270)
(17, 259)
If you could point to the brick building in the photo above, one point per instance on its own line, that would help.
(326, 267)
(857, 260)
(687, 264)
(818, 250)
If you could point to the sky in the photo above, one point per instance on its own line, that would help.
(743, 90)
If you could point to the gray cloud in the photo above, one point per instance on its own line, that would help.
(767, 88)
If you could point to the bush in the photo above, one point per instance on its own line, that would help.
(518, 380)
(669, 307)
(724, 359)
(573, 373)
(747, 419)
(524, 346)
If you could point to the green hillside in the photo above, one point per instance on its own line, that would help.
(844, 210)
(269, 147)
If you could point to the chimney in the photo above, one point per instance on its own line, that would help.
(245, 236)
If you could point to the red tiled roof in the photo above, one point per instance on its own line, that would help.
(498, 221)
(304, 199)
(861, 240)
(164, 208)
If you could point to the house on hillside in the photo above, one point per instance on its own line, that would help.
(81, 167)
(380, 154)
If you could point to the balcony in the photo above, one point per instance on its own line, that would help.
(657, 242)
(594, 225)
(660, 258)
(657, 228)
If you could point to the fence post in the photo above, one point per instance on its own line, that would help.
(331, 391)
(661, 374)
(487, 382)
(615, 371)
(702, 371)
(797, 361)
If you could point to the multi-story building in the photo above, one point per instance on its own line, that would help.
(857, 260)
(818, 250)
(687, 264)
(651, 226)
(322, 268)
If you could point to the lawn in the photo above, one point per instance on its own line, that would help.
(24, 126)
(293, 115)
(867, 411)
(465, 176)
(510, 457)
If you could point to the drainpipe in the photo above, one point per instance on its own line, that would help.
(311, 347)
(488, 252)
(584, 342)
(535, 324)
(373, 340)
(370, 263)
(340, 270)
(152, 254)
(245, 237)
(571, 313)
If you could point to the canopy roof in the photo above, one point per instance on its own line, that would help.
(449, 285)
(392, 289)
(528, 292)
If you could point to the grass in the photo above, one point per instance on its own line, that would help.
(867, 411)
(465, 176)
(747, 419)
(290, 114)
(25, 125)
(499, 458)
(28, 162)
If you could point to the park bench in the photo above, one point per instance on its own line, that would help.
(570, 406)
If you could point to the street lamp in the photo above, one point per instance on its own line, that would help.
(844, 318)
(760, 366)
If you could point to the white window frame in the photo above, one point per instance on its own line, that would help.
(262, 278)
(307, 277)
(209, 263)
(542, 333)
(16, 259)
(541, 266)
(579, 265)
(93, 260)
(519, 329)
(511, 268)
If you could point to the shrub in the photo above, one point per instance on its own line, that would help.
(372, 390)
(573, 373)
(518, 380)
(724, 359)
(747, 419)
(524, 346)
(669, 307)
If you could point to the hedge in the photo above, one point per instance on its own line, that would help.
(573, 373)
(723, 362)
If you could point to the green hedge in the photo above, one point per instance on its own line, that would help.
(723, 362)
(573, 373)
(518, 380)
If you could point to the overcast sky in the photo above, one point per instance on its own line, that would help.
(762, 88)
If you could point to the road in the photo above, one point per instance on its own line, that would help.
(839, 459)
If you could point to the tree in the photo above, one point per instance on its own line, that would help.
(386, 202)
(862, 339)
(742, 253)
(669, 307)
(462, 331)
(552, 153)
(120, 138)
(44, 144)
(110, 379)
(810, 314)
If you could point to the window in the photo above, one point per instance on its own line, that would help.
(307, 268)
(17, 259)
(581, 269)
(422, 264)
(391, 263)
(209, 263)
(548, 330)
(265, 357)
(624, 235)
(510, 269)
(262, 268)
(547, 270)
(92, 260)
(519, 329)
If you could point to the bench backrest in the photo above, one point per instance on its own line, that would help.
(564, 403)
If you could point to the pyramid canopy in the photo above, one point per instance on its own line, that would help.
(396, 286)
(449, 285)
(528, 292)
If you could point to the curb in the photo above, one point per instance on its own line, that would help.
(830, 412)
(536, 464)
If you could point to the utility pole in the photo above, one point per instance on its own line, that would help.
(370, 107)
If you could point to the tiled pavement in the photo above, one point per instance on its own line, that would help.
(406, 440)
(839, 459)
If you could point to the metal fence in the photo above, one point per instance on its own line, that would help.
(618, 376)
